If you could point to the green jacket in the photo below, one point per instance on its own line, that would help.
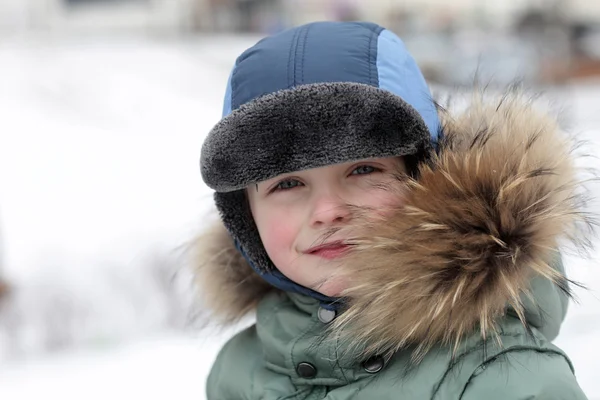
(457, 296)
(262, 362)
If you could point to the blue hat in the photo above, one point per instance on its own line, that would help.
(315, 95)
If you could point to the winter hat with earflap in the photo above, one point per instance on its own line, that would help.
(319, 94)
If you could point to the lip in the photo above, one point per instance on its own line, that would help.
(329, 250)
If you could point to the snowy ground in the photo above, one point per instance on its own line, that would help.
(99, 147)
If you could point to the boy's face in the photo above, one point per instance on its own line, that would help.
(296, 214)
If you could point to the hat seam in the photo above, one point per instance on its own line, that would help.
(302, 63)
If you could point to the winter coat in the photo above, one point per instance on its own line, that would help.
(460, 294)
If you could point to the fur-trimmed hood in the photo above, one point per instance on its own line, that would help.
(477, 237)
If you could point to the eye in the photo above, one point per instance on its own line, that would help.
(287, 184)
(364, 170)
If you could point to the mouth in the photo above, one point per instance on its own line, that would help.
(329, 250)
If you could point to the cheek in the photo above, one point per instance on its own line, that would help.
(278, 233)
(383, 202)
(388, 202)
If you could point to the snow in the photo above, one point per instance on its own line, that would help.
(99, 152)
(159, 368)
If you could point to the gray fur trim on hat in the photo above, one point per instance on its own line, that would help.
(307, 127)
(237, 217)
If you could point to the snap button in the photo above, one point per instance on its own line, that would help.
(325, 315)
(374, 364)
(306, 370)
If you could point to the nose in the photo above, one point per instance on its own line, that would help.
(329, 210)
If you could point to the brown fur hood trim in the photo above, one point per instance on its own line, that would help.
(484, 217)
(227, 285)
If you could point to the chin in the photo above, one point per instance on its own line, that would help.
(332, 289)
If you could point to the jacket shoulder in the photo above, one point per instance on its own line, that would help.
(523, 365)
(524, 374)
(230, 376)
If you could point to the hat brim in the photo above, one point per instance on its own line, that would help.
(306, 127)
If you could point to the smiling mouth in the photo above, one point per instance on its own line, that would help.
(329, 250)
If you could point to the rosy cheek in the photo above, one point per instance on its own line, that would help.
(281, 228)
(278, 238)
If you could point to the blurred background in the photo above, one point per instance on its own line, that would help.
(104, 105)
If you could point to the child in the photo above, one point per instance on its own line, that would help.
(388, 254)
